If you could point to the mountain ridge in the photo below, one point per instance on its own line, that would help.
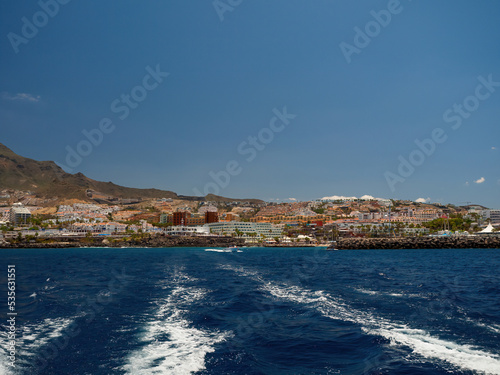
(47, 179)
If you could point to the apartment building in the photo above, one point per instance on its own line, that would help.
(19, 214)
(251, 232)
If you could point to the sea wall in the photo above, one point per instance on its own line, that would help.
(154, 241)
(445, 242)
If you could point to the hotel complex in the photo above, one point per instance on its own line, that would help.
(251, 232)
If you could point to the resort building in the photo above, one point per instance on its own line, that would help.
(251, 232)
(211, 217)
(493, 215)
(187, 231)
(180, 218)
(19, 214)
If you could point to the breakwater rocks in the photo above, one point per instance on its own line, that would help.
(153, 241)
(445, 242)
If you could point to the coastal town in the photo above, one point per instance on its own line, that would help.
(27, 218)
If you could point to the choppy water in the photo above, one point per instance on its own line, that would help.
(259, 311)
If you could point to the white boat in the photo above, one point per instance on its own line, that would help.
(332, 245)
(231, 248)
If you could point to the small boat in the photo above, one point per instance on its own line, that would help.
(231, 248)
(332, 245)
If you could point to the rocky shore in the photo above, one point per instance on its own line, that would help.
(154, 241)
(186, 241)
(445, 242)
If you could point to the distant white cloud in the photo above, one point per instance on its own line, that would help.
(423, 200)
(292, 199)
(21, 96)
(466, 183)
(493, 148)
(480, 181)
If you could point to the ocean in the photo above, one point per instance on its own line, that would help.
(257, 311)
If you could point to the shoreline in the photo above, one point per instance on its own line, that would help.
(445, 242)
(149, 242)
(473, 242)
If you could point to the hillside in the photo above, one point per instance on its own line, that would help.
(46, 179)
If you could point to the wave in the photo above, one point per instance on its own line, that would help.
(30, 339)
(495, 328)
(170, 344)
(5, 369)
(225, 250)
(390, 294)
(419, 341)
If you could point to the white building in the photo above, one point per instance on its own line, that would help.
(179, 230)
(493, 215)
(250, 232)
(19, 214)
(368, 215)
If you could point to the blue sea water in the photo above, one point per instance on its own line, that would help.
(258, 311)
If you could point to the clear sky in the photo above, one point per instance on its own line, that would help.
(334, 95)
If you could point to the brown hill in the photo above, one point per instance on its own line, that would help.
(47, 179)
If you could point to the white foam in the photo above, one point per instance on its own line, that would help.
(5, 369)
(463, 356)
(36, 336)
(365, 291)
(186, 347)
(30, 338)
(495, 328)
(390, 294)
(225, 250)
(422, 343)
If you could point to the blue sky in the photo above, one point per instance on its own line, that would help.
(232, 65)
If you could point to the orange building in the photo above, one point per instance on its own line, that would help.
(211, 217)
(180, 218)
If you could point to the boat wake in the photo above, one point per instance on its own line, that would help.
(169, 343)
(31, 339)
(423, 345)
(227, 250)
